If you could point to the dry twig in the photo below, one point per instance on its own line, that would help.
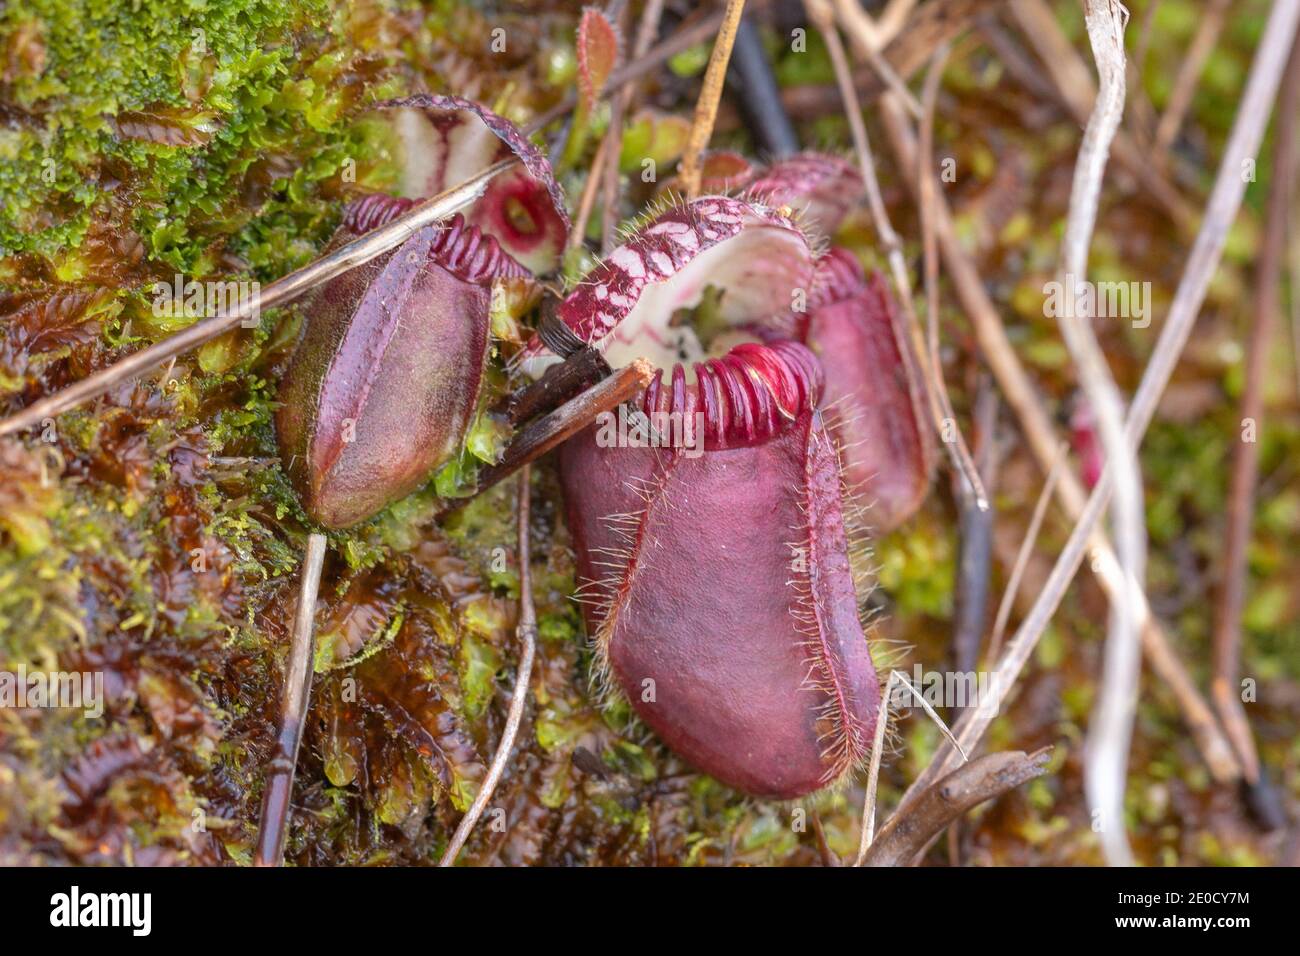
(526, 631)
(897, 680)
(294, 698)
(867, 40)
(1189, 72)
(984, 778)
(553, 429)
(1267, 305)
(940, 416)
(868, 831)
(621, 103)
(1111, 727)
(1022, 556)
(706, 107)
(1075, 86)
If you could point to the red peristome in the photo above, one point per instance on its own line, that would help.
(720, 594)
(873, 397)
(448, 139)
(746, 397)
(458, 247)
(372, 211)
(668, 263)
(385, 381)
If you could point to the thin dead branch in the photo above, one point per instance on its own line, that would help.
(1265, 312)
(526, 632)
(558, 384)
(294, 698)
(829, 857)
(689, 35)
(866, 40)
(1111, 727)
(892, 20)
(868, 831)
(1077, 91)
(620, 105)
(553, 429)
(1189, 74)
(904, 46)
(587, 199)
(897, 681)
(690, 170)
(983, 779)
(1022, 556)
(974, 485)
(945, 424)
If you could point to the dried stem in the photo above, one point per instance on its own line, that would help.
(1189, 72)
(612, 145)
(906, 49)
(647, 29)
(688, 36)
(929, 187)
(559, 383)
(897, 679)
(829, 858)
(758, 94)
(355, 253)
(820, 13)
(1221, 210)
(526, 632)
(587, 201)
(1224, 690)
(891, 21)
(1076, 89)
(557, 427)
(1040, 432)
(1022, 556)
(706, 107)
(867, 41)
(295, 696)
(985, 778)
(975, 535)
(873, 771)
(1111, 728)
